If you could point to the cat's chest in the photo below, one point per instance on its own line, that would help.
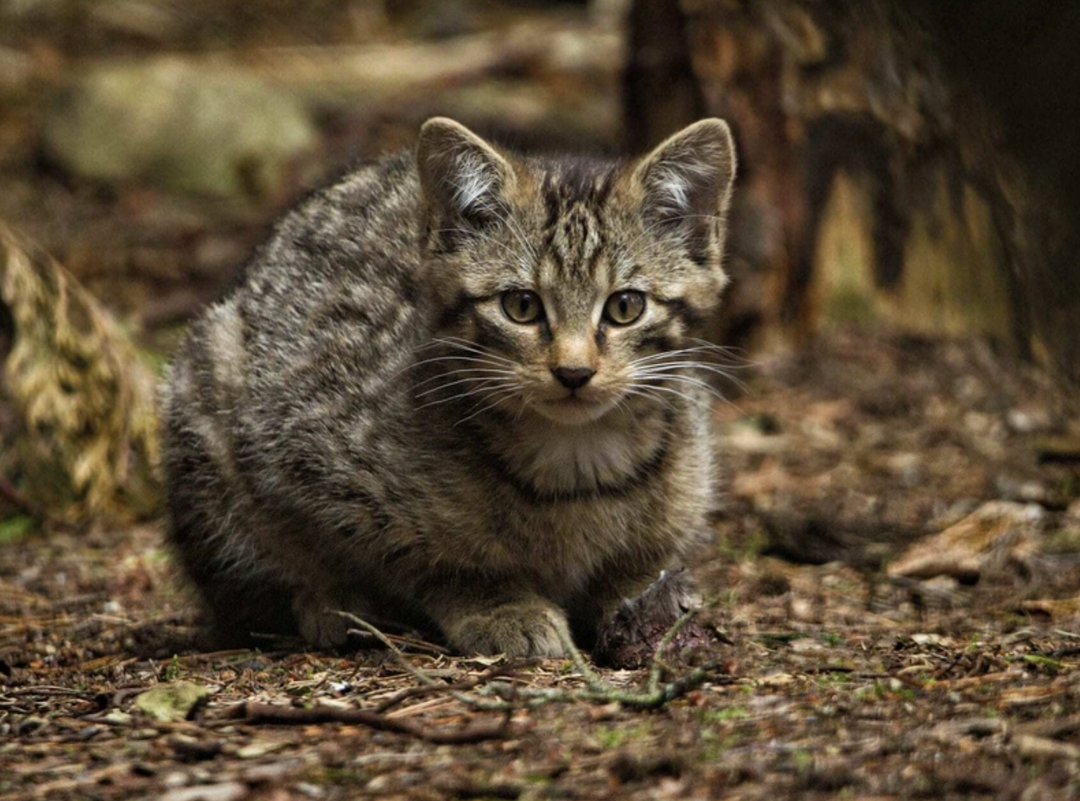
(569, 461)
(580, 461)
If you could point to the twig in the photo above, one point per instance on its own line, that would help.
(597, 690)
(471, 701)
(499, 671)
(593, 680)
(49, 690)
(255, 713)
(937, 674)
(403, 660)
(657, 666)
(417, 644)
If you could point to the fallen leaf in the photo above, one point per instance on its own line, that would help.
(996, 532)
(171, 702)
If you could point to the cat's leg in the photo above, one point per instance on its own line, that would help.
(240, 600)
(321, 625)
(240, 610)
(514, 622)
(213, 525)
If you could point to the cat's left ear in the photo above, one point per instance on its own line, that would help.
(462, 176)
(686, 181)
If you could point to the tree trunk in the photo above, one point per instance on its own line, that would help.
(874, 187)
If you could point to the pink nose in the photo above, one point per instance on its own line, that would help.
(573, 377)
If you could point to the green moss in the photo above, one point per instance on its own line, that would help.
(832, 678)
(172, 670)
(1044, 664)
(714, 747)
(803, 760)
(15, 528)
(610, 737)
(725, 715)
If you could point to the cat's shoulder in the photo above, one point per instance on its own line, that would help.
(370, 205)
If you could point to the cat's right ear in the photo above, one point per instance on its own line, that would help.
(463, 177)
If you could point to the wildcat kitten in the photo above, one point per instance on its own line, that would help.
(453, 392)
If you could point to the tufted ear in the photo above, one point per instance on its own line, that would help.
(462, 176)
(686, 181)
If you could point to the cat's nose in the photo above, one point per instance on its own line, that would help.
(573, 377)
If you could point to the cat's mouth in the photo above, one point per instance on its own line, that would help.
(574, 409)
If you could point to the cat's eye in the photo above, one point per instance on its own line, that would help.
(623, 308)
(522, 306)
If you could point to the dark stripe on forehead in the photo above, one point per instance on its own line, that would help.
(574, 192)
(551, 203)
(576, 242)
(573, 181)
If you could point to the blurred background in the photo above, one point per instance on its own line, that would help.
(912, 167)
(902, 243)
(896, 570)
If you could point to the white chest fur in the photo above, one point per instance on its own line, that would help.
(605, 453)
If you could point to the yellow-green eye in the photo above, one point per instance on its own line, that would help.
(623, 308)
(522, 306)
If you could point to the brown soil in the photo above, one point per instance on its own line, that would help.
(837, 679)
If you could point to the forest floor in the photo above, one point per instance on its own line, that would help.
(848, 666)
(894, 582)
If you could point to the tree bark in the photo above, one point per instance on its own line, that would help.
(877, 182)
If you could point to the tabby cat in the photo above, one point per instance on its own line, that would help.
(457, 391)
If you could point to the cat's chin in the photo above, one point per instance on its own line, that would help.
(573, 411)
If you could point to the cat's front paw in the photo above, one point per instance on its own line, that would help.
(528, 628)
(319, 626)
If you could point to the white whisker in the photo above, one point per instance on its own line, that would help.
(460, 381)
(681, 368)
(487, 371)
(468, 347)
(639, 392)
(506, 393)
(672, 391)
(687, 380)
(470, 393)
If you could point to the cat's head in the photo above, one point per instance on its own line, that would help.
(565, 280)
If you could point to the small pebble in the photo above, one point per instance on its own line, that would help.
(175, 779)
(225, 791)
(264, 774)
(257, 749)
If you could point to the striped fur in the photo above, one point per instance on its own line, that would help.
(361, 425)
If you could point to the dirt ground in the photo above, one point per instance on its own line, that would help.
(835, 678)
(880, 631)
